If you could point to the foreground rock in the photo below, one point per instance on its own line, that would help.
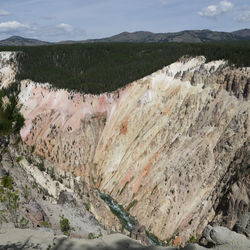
(223, 238)
(13, 238)
(242, 226)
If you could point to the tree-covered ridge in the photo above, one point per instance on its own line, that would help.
(100, 67)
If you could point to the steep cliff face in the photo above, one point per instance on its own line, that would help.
(64, 127)
(172, 144)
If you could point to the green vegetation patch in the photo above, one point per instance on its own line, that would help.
(11, 120)
(100, 67)
(93, 236)
(193, 240)
(46, 224)
(124, 187)
(18, 159)
(132, 204)
(10, 204)
(65, 225)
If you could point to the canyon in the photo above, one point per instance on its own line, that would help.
(172, 147)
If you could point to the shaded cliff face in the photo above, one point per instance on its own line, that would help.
(171, 142)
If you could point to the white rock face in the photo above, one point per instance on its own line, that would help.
(168, 141)
(7, 68)
(44, 180)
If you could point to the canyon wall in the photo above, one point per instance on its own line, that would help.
(171, 146)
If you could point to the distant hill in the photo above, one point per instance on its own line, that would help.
(245, 33)
(139, 36)
(21, 41)
(192, 36)
(197, 36)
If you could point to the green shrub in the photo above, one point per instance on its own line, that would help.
(60, 179)
(33, 148)
(29, 160)
(51, 172)
(92, 236)
(192, 239)
(41, 166)
(131, 204)
(46, 224)
(65, 225)
(124, 187)
(87, 205)
(7, 182)
(5, 150)
(44, 191)
(23, 223)
(18, 159)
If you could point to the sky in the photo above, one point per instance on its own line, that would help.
(59, 20)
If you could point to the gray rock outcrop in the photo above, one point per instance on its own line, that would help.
(223, 238)
(242, 225)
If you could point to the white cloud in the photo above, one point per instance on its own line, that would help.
(225, 6)
(65, 27)
(43, 32)
(244, 16)
(4, 12)
(212, 11)
(12, 26)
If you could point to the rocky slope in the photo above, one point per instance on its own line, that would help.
(173, 144)
(44, 199)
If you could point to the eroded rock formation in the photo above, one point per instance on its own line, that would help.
(175, 143)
